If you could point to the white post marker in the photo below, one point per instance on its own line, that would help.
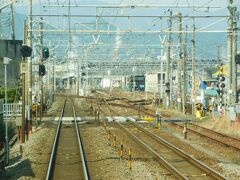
(6, 62)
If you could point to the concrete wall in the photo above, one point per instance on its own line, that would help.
(13, 72)
(10, 49)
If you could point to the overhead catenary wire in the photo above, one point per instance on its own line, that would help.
(122, 37)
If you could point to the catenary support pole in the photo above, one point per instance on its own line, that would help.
(29, 36)
(12, 23)
(6, 117)
(23, 101)
(193, 67)
(168, 60)
(179, 67)
(23, 73)
(41, 77)
(184, 74)
(234, 53)
(53, 79)
(230, 40)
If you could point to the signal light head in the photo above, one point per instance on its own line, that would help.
(42, 70)
(26, 51)
(220, 77)
(45, 53)
(222, 85)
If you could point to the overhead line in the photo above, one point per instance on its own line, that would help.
(126, 16)
(120, 31)
(132, 6)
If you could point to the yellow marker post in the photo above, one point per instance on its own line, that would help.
(115, 140)
(121, 149)
(198, 114)
(105, 127)
(129, 159)
(109, 137)
(98, 116)
(158, 120)
(185, 130)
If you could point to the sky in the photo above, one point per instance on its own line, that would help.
(195, 2)
(221, 3)
(206, 3)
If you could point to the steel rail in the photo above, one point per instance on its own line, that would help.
(98, 100)
(145, 110)
(216, 132)
(54, 148)
(82, 154)
(168, 166)
(192, 160)
(212, 138)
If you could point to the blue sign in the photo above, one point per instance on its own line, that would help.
(202, 85)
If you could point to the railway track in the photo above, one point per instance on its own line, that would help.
(67, 160)
(221, 138)
(177, 162)
(194, 128)
(218, 137)
(136, 105)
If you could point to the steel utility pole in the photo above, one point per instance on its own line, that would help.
(6, 117)
(29, 68)
(230, 40)
(161, 75)
(53, 79)
(78, 66)
(234, 53)
(13, 22)
(168, 92)
(41, 77)
(162, 41)
(23, 69)
(184, 77)
(23, 73)
(193, 67)
(6, 62)
(179, 79)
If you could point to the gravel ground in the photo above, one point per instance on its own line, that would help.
(105, 162)
(32, 163)
(223, 159)
(104, 159)
(221, 125)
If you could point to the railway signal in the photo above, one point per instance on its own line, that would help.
(45, 53)
(167, 90)
(220, 88)
(26, 51)
(42, 70)
(237, 59)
